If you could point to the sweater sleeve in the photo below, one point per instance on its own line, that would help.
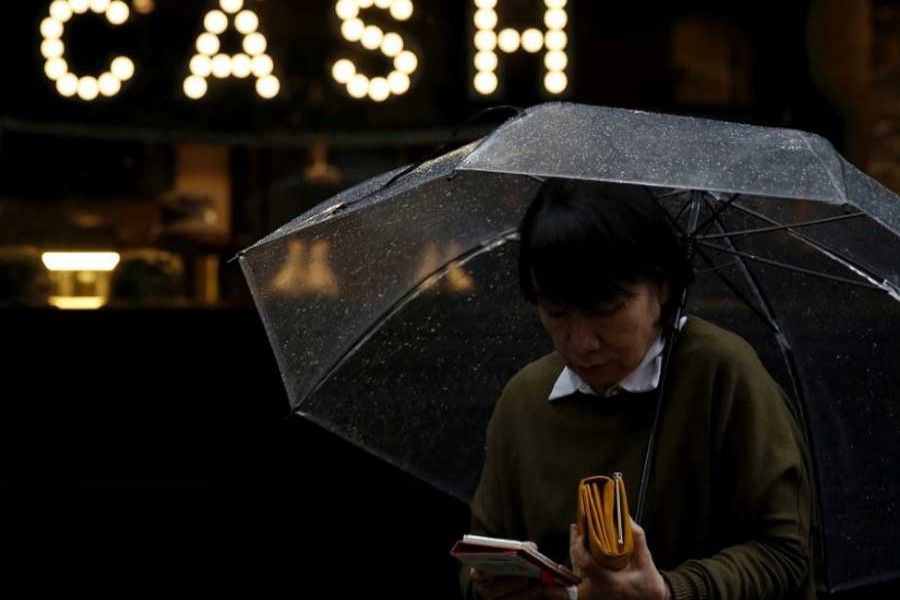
(763, 489)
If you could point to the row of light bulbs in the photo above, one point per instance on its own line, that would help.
(372, 37)
(253, 61)
(509, 40)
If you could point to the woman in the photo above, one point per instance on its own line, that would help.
(728, 507)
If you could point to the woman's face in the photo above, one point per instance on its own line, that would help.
(605, 344)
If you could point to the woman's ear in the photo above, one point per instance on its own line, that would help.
(664, 292)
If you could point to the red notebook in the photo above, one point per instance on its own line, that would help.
(500, 557)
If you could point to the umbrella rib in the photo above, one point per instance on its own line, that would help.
(833, 254)
(788, 267)
(731, 234)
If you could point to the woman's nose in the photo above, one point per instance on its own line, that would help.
(582, 339)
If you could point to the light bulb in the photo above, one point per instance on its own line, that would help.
(60, 10)
(215, 21)
(246, 22)
(406, 62)
(372, 36)
(343, 70)
(556, 60)
(365, 3)
(485, 61)
(532, 40)
(508, 40)
(109, 84)
(231, 6)
(358, 86)
(346, 9)
(554, 3)
(122, 67)
(200, 65)
(379, 89)
(391, 45)
(556, 18)
(383, 4)
(98, 6)
(55, 68)
(117, 13)
(398, 82)
(485, 40)
(195, 87)
(67, 85)
(221, 66)
(262, 65)
(556, 40)
(485, 3)
(241, 65)
(254, 43)
(485, 18)
(51, 28)
(52, 48)
(555, 82)
(79, 6)
(268, 87)
(207, 43)
(485, 82)
(352, 30)
(402, 9)
(88, 88)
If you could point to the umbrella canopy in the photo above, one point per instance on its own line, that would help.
(394, 314)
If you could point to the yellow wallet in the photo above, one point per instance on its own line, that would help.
(603, 519)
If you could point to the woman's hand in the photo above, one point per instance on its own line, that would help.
(505, 588)
(636, 580)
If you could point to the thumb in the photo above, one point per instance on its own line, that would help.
(641, 550)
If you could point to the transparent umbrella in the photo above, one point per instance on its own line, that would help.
(394, 314)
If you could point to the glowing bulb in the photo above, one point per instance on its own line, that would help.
(262, 65)
(358, 86)
(79, 6)
(485, 40)
(555, 82)
(231, 6)
(485, 61)
(485, 3)
(117, 13)
(372, 36)
(398, 82)
(555, 18)
(67, 85)
(215, 21)
(122, 67)
(254, 43)
(402, 9)
(485, 18)
(246, 22)
(207, 43)
(56, 68)
(145, 7)
(556, 40)
(352, 30)
(60, 10)
(383, 3)
(346, 9)
(532, 40)
(343, 70)
(554, 3)
(52, 48)
(109, 84)
(241, 65)
(268, 86)
(406, 62)
(391, 45)
(99, 6)
(221, 66)
(201, 65)
(51, 28)
(379, 89)
(485, 82)
(365, 3)
(556, 60)
(195, 87)
(88, 88)
(508, 40)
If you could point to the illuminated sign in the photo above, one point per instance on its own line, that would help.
(210, 61)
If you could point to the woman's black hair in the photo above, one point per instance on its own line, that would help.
(583, 242)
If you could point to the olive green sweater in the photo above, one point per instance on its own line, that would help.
(728, 506)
